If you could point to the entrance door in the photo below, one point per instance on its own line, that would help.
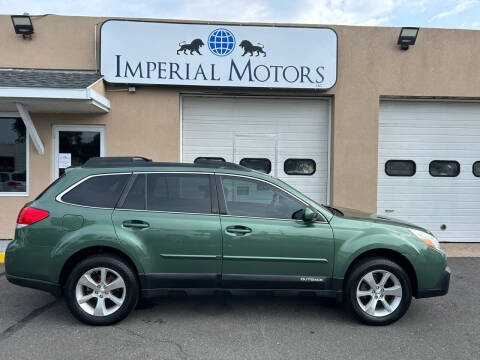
(75, 144)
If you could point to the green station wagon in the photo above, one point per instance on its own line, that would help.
(118, 231)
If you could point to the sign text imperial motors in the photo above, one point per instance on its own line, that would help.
(244, 72)
(136, 52)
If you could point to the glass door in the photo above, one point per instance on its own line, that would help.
(75, 144)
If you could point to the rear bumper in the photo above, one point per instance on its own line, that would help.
(440, 289)
(52, 288)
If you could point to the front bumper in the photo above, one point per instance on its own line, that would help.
(440, 289)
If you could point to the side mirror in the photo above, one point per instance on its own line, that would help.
(309, 215)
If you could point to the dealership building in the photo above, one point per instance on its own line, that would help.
(342, 113)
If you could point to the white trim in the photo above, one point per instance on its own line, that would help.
(73, 186)
(23, 93)
(429, 99)
(27, 120)
(55, 144)
(329, 150)
(27, 164)
(181, 127)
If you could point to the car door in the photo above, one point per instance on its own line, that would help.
(264, 246)
(173, 218)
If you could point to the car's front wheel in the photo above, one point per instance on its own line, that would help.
(101, 290)
(378, 291)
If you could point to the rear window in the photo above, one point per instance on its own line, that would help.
(444, 168)
(186, 193)
(97, 191)
(400, 168)
(259, 164)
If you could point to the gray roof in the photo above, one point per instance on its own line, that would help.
(47, 78)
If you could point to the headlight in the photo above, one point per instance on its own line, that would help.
(428, 239)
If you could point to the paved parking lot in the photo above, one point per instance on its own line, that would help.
(35, 325)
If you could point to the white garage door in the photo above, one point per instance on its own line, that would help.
(289, 137)
(440, 143)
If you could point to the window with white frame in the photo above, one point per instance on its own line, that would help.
(13, 156)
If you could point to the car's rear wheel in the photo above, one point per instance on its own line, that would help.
(101, 290)
(378, 291)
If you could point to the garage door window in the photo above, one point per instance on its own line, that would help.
(207, 159)
(400, 168)
(444, 168)
(476, 168)
(263, 165)
(299, 167)
(13, 156)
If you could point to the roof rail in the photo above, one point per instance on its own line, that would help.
(219, 164)
(139, 161)
(114, 161)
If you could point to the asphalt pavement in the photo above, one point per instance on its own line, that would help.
(35, 325)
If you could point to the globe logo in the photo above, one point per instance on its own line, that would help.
(221, 42)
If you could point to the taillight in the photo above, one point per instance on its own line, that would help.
(29, 216)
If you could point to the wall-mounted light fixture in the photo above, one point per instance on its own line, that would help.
(23, 25)
(407, 37)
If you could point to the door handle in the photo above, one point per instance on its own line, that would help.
(238, 229)
(136, 224)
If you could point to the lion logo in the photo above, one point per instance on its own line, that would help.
(249, 48)
(194, 46)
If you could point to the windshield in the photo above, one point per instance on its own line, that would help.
(328, 208)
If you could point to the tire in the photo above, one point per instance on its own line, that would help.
(387, 303)
(87, 289)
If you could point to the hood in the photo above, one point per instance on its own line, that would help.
(372, 217)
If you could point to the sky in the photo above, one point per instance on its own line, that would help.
(463, 14)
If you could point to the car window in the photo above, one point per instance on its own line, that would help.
(189, 193)
(136, 199)
(98, 191)
(400, 168)
(444, 168)
(299, 167)
(255, 198)
(259, 164)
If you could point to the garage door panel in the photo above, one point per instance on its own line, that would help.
(211, 125)
(423, 132)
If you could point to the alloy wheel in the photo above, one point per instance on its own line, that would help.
(100, 291)
(379, 293)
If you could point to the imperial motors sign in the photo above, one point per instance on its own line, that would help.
(139, 52)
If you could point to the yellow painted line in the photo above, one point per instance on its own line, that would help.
(2, 257)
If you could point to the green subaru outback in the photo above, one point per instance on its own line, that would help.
(117, 231)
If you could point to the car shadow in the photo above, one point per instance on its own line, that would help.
(245, 305)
